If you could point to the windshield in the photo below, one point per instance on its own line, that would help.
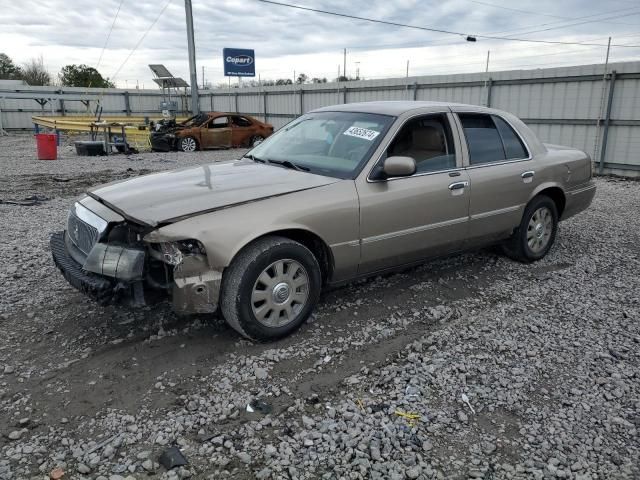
(335, 144)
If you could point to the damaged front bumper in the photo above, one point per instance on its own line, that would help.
(112, 271)
(162, 142)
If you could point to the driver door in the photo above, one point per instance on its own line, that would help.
(216, 133)
(407, 219)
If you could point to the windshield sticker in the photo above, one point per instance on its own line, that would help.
(360, 132)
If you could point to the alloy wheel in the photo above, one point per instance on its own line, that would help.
(188, 144)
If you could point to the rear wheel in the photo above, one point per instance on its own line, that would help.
(533, 239)
(270, 288)
(188, 144)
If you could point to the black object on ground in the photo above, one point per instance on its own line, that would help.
(172, 457)
(26, 202)
(260, 406)
(89, 148)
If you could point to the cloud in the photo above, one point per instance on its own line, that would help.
(74, 31)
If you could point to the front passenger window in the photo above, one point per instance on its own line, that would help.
(428, 141)
(219, 122)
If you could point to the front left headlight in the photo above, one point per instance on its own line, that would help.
(174, 252)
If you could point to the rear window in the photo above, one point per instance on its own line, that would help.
(490, 139)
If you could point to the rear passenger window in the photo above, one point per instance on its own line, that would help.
(490, 139)
(513, 147)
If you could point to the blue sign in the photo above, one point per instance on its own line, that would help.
(239, 62)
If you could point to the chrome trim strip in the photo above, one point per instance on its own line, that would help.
(493, 164)
(415, 175)
(583, 189)
(500, 211)
(90, 218)
(409, 231)
(350, 243)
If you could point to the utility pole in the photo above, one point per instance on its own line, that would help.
(191, 45)
(344, 63)
(407, 68)
(601, 111)
(203, 77)
(486, 75)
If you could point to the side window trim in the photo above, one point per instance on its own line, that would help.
(465, 145)
(455, 134)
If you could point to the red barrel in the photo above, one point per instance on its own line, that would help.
(46, 145)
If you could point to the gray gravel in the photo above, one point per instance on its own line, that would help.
(547, 357)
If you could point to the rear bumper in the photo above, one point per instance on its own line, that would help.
(100, 288)
(579, 199)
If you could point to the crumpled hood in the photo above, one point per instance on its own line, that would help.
(167, 196)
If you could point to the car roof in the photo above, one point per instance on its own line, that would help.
(394, 107)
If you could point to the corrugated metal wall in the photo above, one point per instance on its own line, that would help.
(562, 105)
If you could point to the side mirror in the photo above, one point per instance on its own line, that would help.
(399, 167)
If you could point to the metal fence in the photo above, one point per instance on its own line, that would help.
(576, 106)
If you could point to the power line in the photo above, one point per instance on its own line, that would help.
(576, 24)
(550, 15)
(109, 34)
(559, 23)
(144, 35)
(429, 29)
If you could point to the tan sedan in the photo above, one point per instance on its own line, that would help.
(339, 193)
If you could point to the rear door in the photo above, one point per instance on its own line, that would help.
(501, 174)
(242, 130)
(406, 219)
(216, 133)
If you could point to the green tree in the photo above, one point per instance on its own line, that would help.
(83, 76)
(8, 69)
(35, 73)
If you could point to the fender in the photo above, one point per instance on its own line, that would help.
(330, 213)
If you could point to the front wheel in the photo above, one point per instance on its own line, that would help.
(188, 144)
(270, 288)
(256, 140)
(533, 239)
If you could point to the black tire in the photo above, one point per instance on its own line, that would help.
(240, 282)
(518, 246)
(256, 140)
(188, 144)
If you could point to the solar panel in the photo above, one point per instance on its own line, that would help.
(160, 71)
(171, 82)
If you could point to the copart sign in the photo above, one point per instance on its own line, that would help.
(239, 62)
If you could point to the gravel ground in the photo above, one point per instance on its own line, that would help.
(471, 366)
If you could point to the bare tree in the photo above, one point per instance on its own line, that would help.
(35, 73)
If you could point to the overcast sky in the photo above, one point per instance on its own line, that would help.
(74, 31)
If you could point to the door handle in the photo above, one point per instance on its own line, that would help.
(458, 185)
(527, 176)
